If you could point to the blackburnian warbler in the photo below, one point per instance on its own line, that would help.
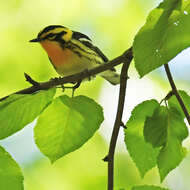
(71, 52)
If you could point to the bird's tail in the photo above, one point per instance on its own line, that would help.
(111, 76)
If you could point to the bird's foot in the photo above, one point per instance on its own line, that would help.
(55, 79)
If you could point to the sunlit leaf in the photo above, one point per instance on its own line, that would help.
(165, 34)
(66, 125)
(142, 153)
(10, 173)
(148, 187)
(18, 110)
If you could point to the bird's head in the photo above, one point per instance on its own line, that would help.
(54, 33)
(53, 39)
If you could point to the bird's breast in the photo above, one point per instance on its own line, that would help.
(57, 54)
(65, 61)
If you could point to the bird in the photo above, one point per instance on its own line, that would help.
(71, 52)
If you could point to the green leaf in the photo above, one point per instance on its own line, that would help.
(66, 125)
(10, 173)
(165, 34)
(142, 153)
(18, 110)
(172, 102)
(155, 128)
(172, 152)
(166, 128)
(148, 187)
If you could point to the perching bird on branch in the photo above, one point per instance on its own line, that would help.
(71, 52)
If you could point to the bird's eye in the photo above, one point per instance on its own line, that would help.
(51, 36)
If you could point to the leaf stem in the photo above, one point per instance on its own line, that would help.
(118, 120)
(175, 91)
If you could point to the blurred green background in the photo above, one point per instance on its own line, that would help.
(112, 25)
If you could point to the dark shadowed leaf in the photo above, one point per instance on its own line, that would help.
(172, 152)
(155, 128)
(172, 102)
(166, 128)
(142, 153)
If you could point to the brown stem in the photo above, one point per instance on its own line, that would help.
(30, 80)
(175, 91)
(72, 78)
(118, 120)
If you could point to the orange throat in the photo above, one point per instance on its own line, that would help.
(57, 54)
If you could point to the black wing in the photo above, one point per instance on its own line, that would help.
(78, 36)
(98, 51)
(83, 39)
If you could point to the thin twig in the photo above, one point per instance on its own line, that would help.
(167, 97)
(118, 120)
(175, 91)
(30, 80)
(73, 78)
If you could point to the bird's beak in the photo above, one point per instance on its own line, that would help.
(35, 40)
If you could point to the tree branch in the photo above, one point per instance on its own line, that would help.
(118, 120)
(30, 80)
(175, 91)
(72, 78)
(125, 58)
